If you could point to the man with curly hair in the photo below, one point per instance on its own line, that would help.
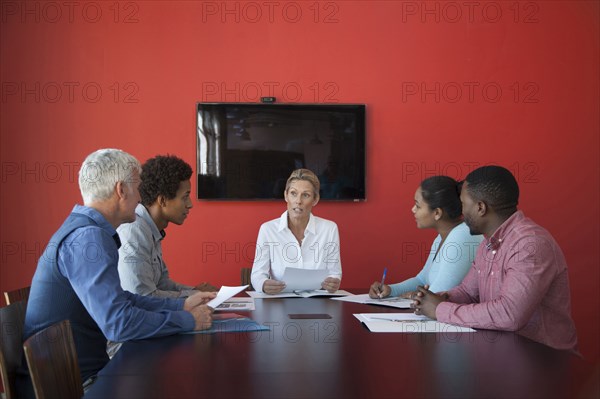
(165, 198)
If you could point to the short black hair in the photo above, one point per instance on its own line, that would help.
(496, 186)
(162, 175)
(442, 192)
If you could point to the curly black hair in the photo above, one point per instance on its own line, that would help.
(162, 175)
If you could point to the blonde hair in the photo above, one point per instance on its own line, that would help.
(306, 175)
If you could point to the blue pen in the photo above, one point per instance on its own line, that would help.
(382, 281)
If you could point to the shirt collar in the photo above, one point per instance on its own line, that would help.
(143, 213)
(98, 218)
(310, 227)
(501, 232)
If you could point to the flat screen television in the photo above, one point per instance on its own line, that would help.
(246, 151)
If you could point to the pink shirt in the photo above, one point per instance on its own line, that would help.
(518, 282)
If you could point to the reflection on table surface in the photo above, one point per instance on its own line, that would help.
(338, 357)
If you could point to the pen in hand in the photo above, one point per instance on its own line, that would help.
(382, 282)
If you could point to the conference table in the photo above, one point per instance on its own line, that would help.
(338, 357)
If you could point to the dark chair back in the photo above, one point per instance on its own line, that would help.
(246, 272)
(12, 320)
(52, 361)
(21, 294)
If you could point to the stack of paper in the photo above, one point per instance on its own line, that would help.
(238, 304)
(406, 323)
(394, 302)
(297, 294)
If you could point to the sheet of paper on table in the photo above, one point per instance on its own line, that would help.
(394, 302)
(406, 323)
(297, 294)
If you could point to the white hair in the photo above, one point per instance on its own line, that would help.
(101, 171)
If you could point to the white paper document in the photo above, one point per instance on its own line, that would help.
(303, 279)
(297, 294)
(236, 304)
(390, 317)
(394, 302)
(224, 294)
(406, 323)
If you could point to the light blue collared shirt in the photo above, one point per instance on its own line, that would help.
(449, 267)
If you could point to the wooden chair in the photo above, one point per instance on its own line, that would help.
(12, 320)
(52, 361)
(246, 272)
(21, 294)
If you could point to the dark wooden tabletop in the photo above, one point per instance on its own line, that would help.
(338, 358)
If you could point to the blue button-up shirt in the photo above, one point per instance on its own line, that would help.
(88, 259)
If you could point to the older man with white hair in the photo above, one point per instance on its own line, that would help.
(77, 277)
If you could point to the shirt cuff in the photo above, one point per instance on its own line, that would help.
(260, 288)
(443, 311)
(180, 302)
(190, 323)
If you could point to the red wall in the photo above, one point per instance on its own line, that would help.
(447, 88)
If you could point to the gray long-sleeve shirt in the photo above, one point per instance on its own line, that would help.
(142, 269)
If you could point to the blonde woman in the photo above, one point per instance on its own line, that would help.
(297, 239)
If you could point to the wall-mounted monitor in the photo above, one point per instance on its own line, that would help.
(247, 151)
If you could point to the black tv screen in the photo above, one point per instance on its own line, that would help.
(247, 151)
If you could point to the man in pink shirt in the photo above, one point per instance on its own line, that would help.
(519, 280)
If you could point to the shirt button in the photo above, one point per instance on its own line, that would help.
(494, 252)
(492, 273)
